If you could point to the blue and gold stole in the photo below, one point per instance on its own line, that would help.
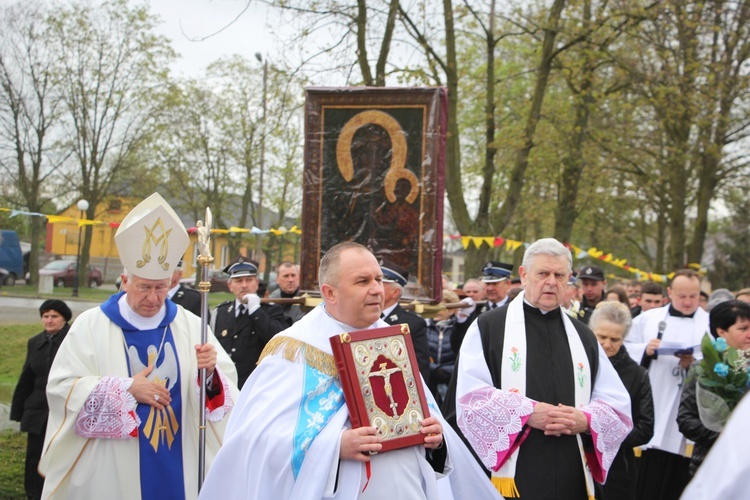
(160, 431)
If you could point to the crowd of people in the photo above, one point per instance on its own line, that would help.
(548, 384)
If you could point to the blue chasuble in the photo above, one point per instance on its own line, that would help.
(160, 431)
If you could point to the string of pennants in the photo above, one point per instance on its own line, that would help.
(52, 219)
(477, 241)
(578, 253)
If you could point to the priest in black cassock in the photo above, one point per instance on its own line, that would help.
(533, 393)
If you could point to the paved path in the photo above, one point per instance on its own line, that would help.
(14, 310)
(5, 422)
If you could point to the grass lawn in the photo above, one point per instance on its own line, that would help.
(13, 456)
(13, 340)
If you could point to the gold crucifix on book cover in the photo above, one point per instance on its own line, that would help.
(380, 378)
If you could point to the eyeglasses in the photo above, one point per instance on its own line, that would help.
(146, 290)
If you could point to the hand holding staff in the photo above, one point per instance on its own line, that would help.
(204, 261)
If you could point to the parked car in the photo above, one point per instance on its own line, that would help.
(219, 280)
(11, 258)
(64, 273)
(4, 273)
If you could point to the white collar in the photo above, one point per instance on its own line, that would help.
(389, 310)
(138, 321)
(535, 307)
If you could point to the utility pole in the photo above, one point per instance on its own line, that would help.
(258, 241)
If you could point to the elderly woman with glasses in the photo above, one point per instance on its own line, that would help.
(610, 323)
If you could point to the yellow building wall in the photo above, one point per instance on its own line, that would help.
(62, 236)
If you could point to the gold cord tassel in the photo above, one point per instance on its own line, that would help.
(506, 486)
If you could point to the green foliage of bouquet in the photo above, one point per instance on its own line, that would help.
(722, 381)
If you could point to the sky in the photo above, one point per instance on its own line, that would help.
(203, 31)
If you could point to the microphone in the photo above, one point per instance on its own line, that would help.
(646, 362)
(662, 327)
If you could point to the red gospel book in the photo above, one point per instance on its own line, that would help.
(382, 387)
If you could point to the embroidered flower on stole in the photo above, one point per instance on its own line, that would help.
(581, 375)
(515, 360)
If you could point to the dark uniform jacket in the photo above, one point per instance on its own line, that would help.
(29, 404)
(588, 310)
(460, 329)
(244, 337)
(189, 299)
(418, 331)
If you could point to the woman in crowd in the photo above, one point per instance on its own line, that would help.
(29, 404)
(442, 357)
(618, 294)
(611, 322)
(731, 321)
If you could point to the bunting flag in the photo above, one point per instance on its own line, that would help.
(53, 219)
(576, 251)
(477, 241)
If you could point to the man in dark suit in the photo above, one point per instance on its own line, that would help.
(244, 326)
(496, 279)
(29, 404)
(394, 280)
(180, 294)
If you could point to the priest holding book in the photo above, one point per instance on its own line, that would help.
(291, 437)
(534, 394)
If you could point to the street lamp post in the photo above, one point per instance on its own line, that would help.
(82, 205)
(258, 248)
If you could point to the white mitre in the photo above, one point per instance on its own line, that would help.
(151, 240)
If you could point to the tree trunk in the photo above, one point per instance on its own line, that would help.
(574, 163)
(453, 183)
(37, 225)
(502, 218)
(490, 148)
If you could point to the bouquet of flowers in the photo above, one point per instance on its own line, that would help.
(722, 381)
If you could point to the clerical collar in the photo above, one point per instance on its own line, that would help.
(674, 312)
(138, 321)
(173, 291)
(543, 313)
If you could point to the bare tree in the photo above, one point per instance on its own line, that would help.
(29, 115)
(111, 68)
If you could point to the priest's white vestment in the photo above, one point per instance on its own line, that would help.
(284, 436)
(77, 467)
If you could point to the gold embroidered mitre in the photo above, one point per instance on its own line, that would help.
(151, 240)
